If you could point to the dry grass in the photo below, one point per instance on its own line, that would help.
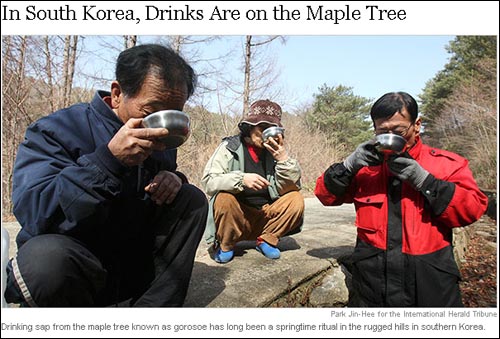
(309, 148)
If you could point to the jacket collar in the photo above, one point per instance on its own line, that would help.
(233, 143)
(102, 108)
(415, 150)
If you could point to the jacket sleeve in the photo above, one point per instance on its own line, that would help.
(288, 174)
(57, 191)
(334, 187)
(454, 199)
(217, 175)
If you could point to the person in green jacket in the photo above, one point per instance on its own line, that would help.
(254, 187)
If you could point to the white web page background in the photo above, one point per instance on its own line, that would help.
(305, 18)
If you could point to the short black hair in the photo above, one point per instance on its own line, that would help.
(391, 103)
(245, 129)
(135, 63)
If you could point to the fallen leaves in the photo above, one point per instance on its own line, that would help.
(479, 274)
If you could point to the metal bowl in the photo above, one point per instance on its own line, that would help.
(389, 143)
(272, 132)
(177, 123)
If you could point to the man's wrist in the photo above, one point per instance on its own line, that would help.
(183, 178)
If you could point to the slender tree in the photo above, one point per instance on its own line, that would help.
(255, 78)
(15, 92)
(70, 49)
(129, 41)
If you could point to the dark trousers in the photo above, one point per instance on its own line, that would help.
(54, 270)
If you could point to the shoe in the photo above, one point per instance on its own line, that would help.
(269, 251)
(223, 257)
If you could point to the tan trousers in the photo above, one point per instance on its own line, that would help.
(236, 222)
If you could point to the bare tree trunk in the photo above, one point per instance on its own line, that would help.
(67, 42)
(7, 41)
(246, 84)
(130, 41)
(14, 96)
(71, 69)
(70, 47)
(48, 70)
(177, 43)
(255, 82)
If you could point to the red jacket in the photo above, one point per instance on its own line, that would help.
(423, 232)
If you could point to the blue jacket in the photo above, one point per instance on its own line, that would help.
(66, 180)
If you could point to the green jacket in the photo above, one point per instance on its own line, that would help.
(225, 169)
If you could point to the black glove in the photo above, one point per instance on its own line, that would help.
(364, 155)
(407, 169)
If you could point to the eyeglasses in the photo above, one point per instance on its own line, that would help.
(401, 131)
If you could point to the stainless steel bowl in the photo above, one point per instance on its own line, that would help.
(177, 123)
(389, 143)
(272, 132)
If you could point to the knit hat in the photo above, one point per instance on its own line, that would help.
(263, 111)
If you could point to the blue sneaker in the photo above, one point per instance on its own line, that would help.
(223, 257)
(269, 251)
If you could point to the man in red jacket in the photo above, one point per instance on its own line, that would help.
(406, 207)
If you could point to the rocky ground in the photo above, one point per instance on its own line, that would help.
(479, 271)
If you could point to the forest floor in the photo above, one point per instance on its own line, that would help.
(479, 271)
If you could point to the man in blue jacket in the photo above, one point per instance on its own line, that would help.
(106, 218)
